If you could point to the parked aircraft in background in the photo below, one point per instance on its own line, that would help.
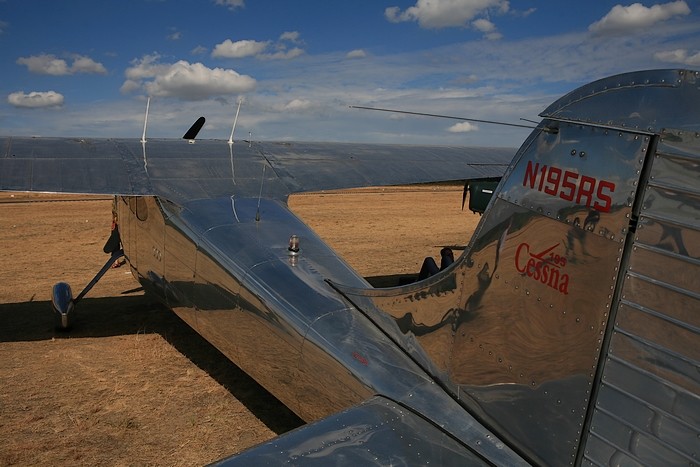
(565, 334)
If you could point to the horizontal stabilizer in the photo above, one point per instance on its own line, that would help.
(377, 432)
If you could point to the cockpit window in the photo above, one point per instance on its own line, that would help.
(387, 233)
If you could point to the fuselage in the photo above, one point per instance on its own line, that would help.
(517, 348)
(275, 314)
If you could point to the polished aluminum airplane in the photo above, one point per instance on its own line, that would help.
(565, 334)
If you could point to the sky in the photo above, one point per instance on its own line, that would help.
(85, 68)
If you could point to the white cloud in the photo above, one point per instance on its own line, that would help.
(679, 56)
(488, 28)
(436, 14)
(146, 67)
(291, 36)
(257, 49)
(463, 127)
(298, 104)
(195, 82)
(199, 50)
(231, 4)
(357, 53)
(238, 49)
(130, 86)
(49, 64)
(192, 81)
(637, 17)
(35, 99)
(484, 25)
(45, 64)
(82, 64)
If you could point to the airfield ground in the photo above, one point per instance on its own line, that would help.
(134, 385)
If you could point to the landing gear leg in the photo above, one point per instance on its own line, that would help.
(62, 299)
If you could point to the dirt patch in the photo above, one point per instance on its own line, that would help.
(134, 385)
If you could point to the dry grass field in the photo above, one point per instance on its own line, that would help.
(134, 385)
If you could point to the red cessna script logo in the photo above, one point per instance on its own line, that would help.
(545, 267)
(570, 186)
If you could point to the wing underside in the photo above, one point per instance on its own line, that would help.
(210, 169)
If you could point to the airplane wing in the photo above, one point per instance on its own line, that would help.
(180, 171)
(376, 432)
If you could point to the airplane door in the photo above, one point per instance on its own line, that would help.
(126, 218)
(147, 231)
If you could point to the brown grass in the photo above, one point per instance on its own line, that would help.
(132, 384)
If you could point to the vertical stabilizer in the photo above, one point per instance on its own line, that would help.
(570, 325)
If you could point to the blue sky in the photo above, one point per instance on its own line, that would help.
(85, 67)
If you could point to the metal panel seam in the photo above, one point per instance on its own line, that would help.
(655, 346)
(660, 315)
(640, 429)
(666, 253)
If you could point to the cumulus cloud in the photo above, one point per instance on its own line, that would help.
(357, 53)
(184, 80)
(239, 49)
(82, 64)
(147, 67)
(679, 56)
(436, 14)
(49, 64)
(488, 28)
(258, 49)
(637, 17)
(297, 105)
(35, 99)
(45, 64)
(463, 127)
(291, 36)
(231, 4)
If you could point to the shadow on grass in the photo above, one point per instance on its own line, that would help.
(137, 314)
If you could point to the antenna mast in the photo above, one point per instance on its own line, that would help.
(230, 139)
(440, 116)
(145, 121)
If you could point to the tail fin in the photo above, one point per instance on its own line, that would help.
(570, 326)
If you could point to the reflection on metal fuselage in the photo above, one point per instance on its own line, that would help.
(514, 328)
(519, 328)
(233, 280)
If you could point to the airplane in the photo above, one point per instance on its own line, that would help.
(567, 332)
